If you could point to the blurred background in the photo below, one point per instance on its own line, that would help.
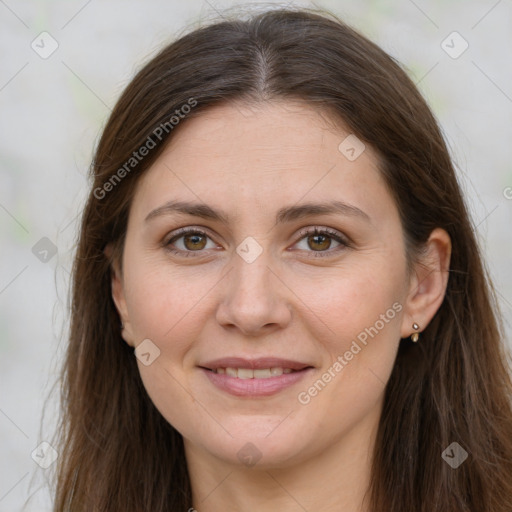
(63, 65)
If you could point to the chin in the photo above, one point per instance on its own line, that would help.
(259, 447)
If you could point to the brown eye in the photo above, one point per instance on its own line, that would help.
(187, 242)
(194, 242)
(319, 242)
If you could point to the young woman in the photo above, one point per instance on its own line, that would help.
(278, 300)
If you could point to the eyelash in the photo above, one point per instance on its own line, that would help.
(316, 231)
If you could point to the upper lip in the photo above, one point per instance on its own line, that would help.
(262, 362)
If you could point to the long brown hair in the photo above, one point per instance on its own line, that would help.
(117, 453)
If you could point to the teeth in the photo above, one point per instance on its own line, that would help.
(248, 373)
(261, 374)
(245, 373)
(232, 372)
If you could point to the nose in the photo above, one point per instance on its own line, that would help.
(254, 298)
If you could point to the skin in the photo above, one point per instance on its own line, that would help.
(250, 161)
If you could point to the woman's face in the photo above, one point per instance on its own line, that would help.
(257, 284)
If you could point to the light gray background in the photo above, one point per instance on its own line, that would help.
(51, 112)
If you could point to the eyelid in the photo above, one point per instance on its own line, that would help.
(185, 231)
(333, 233)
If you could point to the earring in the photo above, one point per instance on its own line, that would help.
(415, 335)
(122, 326)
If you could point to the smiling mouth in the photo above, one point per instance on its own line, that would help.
(254, 377)
(256, 382)
(249, 373)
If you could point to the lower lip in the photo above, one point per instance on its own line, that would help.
(255, 387)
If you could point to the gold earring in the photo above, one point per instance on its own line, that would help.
(415, 335)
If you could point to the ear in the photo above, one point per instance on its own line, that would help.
(118, 295)
(428, 283)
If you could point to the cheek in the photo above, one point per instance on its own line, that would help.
(164, 303)
(357, 314)
(351, 298)
(165, 306)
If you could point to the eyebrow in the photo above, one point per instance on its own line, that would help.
(286, 214)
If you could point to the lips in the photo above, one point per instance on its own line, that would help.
(253, 378)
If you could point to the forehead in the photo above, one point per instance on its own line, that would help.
(286, 131)
(248, 157)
